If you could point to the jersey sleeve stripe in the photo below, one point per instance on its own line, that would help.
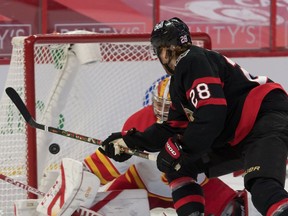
(212, 101)
(136, 177)
(101, 166)
(207, 80)
(89, 162)
(178, 124)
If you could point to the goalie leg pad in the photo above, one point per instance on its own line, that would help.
(73, 188)
(130, 202)
(26, 207)
(47, 180)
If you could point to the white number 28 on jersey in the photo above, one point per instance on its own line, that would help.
(202, 91)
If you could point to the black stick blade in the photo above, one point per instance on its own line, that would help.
(16, 99)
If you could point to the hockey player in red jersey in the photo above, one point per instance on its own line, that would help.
(222, 119)
(142, 173)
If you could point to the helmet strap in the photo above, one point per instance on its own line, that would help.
(170, 70)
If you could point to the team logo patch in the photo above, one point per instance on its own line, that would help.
(158, 26)
(189, 114)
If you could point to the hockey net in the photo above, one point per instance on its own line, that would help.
(81, 82)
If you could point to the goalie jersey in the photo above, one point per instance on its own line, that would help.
(135, 172)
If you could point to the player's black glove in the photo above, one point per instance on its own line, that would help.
(111, 147)
(169, 158)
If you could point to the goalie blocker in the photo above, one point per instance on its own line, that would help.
(74, 187)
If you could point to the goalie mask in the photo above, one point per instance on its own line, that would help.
(161, 100)
(172, 32)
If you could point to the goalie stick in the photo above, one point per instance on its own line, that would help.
(80, 211)
(16, 99)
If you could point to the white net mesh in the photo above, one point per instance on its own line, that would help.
(89, 89)
(13, 140)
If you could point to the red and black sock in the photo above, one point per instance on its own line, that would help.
(188, 198)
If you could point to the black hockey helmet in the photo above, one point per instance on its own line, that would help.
(170, 32)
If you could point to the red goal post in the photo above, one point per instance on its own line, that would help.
(81, 81)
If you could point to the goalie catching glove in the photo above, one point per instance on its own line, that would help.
(113, 146)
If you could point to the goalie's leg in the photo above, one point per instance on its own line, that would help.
(73, 188)
(26, 207)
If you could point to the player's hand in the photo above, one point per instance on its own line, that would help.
(111, 147)
(169, 158)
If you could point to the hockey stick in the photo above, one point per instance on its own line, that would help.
(16, 99)
(81, 210)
